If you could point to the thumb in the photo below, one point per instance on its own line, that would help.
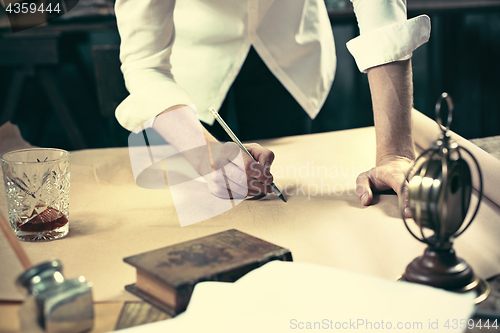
(363, 189)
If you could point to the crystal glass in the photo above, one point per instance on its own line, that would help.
(37, 187)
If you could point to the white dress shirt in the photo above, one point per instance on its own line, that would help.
(190, 51)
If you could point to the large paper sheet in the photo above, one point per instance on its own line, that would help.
(286, 297)
(322, 222)
(426, 131)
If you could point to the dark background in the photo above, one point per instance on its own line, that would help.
(461, 58)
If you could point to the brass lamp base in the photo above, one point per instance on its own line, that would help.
(441, 268)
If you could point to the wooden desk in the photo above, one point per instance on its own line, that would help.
(111, 218)
(118, 315)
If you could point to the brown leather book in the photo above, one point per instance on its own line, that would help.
(166, 277)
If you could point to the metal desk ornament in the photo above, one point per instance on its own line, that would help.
(439, 192)
(54, 304)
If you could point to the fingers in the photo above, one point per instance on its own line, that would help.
(380, 178)
(244, 179)
(221, 185)
(363, 188)
(261, 154)
(242, 175)
(229, 154)
(260, 170)
(406, 203)
(395, 179)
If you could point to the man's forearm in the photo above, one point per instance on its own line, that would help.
(392, 97)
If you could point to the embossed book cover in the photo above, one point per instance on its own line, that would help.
(166, 277)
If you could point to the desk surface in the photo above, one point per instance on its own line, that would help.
(323, 222)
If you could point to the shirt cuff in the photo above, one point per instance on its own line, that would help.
(147, 103)
(389, 43)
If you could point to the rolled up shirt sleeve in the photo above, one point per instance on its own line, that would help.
(147, 34)
(385, 33)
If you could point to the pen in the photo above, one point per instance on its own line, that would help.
(238, 142)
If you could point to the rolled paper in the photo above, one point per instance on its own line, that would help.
(426, 131)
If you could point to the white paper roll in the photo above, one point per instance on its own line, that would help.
(426, 131)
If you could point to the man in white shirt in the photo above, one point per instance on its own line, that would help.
(294, 40)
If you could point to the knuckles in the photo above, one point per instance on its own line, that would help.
(270, 156)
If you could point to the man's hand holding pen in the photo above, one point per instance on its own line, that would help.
(224, 166)
(241, 174)
(234, 170)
